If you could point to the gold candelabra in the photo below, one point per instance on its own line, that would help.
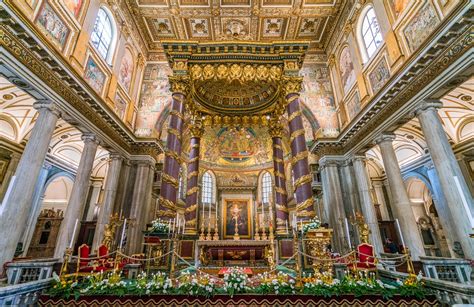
(202, 235)
(215, 237)
(236, 229)
(208, 235)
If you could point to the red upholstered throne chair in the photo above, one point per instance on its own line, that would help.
(85, 265)
(365, 258)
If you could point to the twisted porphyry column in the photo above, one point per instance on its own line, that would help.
(170, 176)
(291, 87)
(197, 131)
(276, 132)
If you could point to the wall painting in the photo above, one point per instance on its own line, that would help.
(237, 213)
(74, 6)
(126, 70)
(317, 94)
(353, 106)
(346, 67)
(94, 75)
(379, 75)
(421, 26)
(52, 25)
(155, 95)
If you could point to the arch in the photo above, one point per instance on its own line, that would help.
(8, 128)
(466, 129)
(104, 34)
(208, 187)
(57, 191)
(369, 35)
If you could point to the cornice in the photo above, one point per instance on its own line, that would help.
(412, 78)
(20, 39)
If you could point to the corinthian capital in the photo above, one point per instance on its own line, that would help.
(196, 129)
(276, 129)
(179, 84)
(291, 84)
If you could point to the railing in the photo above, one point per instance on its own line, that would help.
(25, 294)
(447, 269)
(29, 270)
(447, 292)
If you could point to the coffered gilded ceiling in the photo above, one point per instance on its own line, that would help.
(223, 20)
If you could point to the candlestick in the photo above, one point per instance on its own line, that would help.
(286, 224)
(210, 212)
(169, 226)
(347, 233)
(301, 225)
(73, 233)
(123, 233)
(263, 213)
(400, 232)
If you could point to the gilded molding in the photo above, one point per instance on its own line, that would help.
(277, 146)
(300, 156)
(296, 134)
(170, 179)
(193, 174)
(166, 203)
(278, 160)
(197, 130)
(294, 115)
(281, 208)
(192, 191)
(174, 155)
(177, 114)
(280, 190)
(193, 160)
(302, 180)
(191, 208)
(303, 206)
(165, 213)
(279, 174)
(308, 214)
(175, 133)
(276, 130)
(191, 223)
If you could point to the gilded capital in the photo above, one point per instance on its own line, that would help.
(331, 59)
(196, 129)
(276, 129)
(179, 84)
(291, 84)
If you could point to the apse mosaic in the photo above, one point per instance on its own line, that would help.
(155, 95)
(318, 96)
(236, 147)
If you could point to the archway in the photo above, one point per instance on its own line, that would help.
(431, 232)
(56, 197)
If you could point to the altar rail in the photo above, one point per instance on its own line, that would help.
(447, 269)
(19, 272)
(446, 292)
(25, 294)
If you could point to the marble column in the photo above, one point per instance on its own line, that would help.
(95, 189)
(170, 174)
(77, 200)
(299, 151)
(17, 205)
(452, 181)
(350, 197)
(333, 203)
(110, 192)
(378, 190)
(368, 209)
(37, 202)
(401, 205)
(141, 194)
(12, 165)
(281, 203)
(190, 211)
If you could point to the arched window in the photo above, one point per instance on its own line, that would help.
(266, 187)
(103, 35)
(207, 189)
(369, 31)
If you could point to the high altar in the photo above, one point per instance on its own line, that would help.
(226, 126)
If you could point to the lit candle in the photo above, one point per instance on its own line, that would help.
(73, 233)
(123, 233)
(210, 213)
(263, 216)
(400, 232)
(347, 233)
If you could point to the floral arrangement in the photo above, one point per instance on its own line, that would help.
(197, 284)
(314, 223)
(235, 281)
(159, 226)
(280, 283)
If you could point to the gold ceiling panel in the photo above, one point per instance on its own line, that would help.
(227, 20)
